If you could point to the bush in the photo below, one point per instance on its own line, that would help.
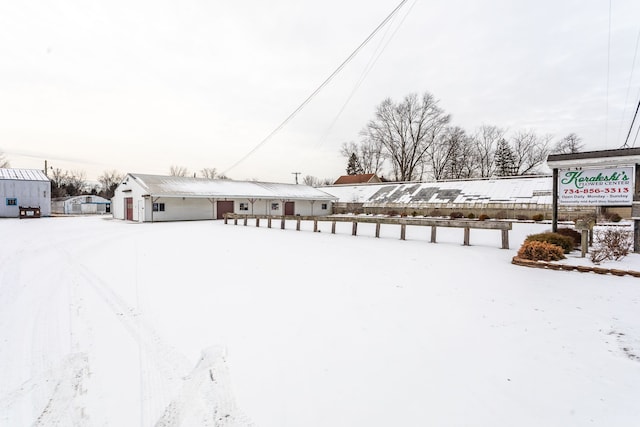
(501, 215)
(483, 217)
(393, 213)
(611, 244)
(521, 217)
(435, 212)
(537, 217)
(570, 232)
(613, 217)
(456, 215)
(540, 251)
(566, 243)
(471, 216)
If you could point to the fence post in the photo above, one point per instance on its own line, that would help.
(377, 229)
(297, 224)
(354, 228)
(333, 227)
(269, 222)
(403, 231)
(245, 220)
(315, 225)
(466, 236)
(505, 239)
(433, 233)
(257, 222)
(235, 220)
(282, 223)
(225, 219)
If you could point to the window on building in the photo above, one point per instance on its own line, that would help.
(158, 207)
(244, 206)
(12, 201)
(275, 206)
(323, 206)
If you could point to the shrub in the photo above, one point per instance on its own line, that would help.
(611, 244)
(537, 217)
(483, 217)
(435, 212)
(613, 217)
(540, 251)
(414, 213)
(471, 215)
(456, 215)
(392, 213)
(570, 232)
(566, 243)
(501, 215)
(521, 217)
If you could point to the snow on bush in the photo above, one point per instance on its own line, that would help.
(612, 243)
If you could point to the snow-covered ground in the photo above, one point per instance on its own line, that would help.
(109, 323)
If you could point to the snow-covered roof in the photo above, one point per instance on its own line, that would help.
(23, 174)
(176, 186)
(536, 190)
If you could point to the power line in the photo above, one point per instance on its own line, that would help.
(631, 127)
(626, 98)
(374, 58)
(606, 120)
(315, 92)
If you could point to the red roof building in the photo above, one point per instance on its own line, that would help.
(366, 178)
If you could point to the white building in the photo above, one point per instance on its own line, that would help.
(149, 198)
(81, 205)
(24, 188)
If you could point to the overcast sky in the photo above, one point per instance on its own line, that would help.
(139, 86)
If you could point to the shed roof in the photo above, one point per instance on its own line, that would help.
(355, 179)
(23, 174)
(176, 186)
(506, 190)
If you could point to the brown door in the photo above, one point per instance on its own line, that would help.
(289, 208)
(223, 207)
(128, 207)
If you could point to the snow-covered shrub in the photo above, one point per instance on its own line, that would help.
(540, 251)
(612, 243)
(566, 243)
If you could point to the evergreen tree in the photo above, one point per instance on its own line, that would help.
(505, 160)
(353, 166)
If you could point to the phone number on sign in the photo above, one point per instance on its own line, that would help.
(596, 190)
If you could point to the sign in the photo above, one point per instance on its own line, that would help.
(604, 187)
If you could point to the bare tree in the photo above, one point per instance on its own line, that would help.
(452, 156)
(4, 162)
(405, 131)
(109, 180)
(570, 144)
(209, 173)
(369, 154)
(68, 183)
(486, 140)
(529, 151)
(311, 181)
(178, 171)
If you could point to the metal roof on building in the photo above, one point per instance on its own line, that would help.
(536, 190)
(23, 175)
(176, 186)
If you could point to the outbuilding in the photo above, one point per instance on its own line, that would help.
(88, 204)
(27, 188)
(153, 198)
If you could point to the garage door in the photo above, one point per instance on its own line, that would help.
(223, 207)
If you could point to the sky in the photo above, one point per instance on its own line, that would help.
(141, 86)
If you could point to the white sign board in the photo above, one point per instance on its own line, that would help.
(611, 186)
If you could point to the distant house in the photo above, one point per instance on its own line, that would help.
(24, 188)
(81, 205)
(366, 178)
(151, 198)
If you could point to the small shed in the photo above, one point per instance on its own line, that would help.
(88, 204)
(27, 188)
(152, 198)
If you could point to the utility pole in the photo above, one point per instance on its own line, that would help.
(296, 174)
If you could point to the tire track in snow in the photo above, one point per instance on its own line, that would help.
(204, 397)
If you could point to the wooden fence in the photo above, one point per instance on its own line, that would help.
(466, 224)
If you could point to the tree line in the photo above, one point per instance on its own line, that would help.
(414, 139)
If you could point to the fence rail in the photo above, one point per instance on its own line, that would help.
(465, 224)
